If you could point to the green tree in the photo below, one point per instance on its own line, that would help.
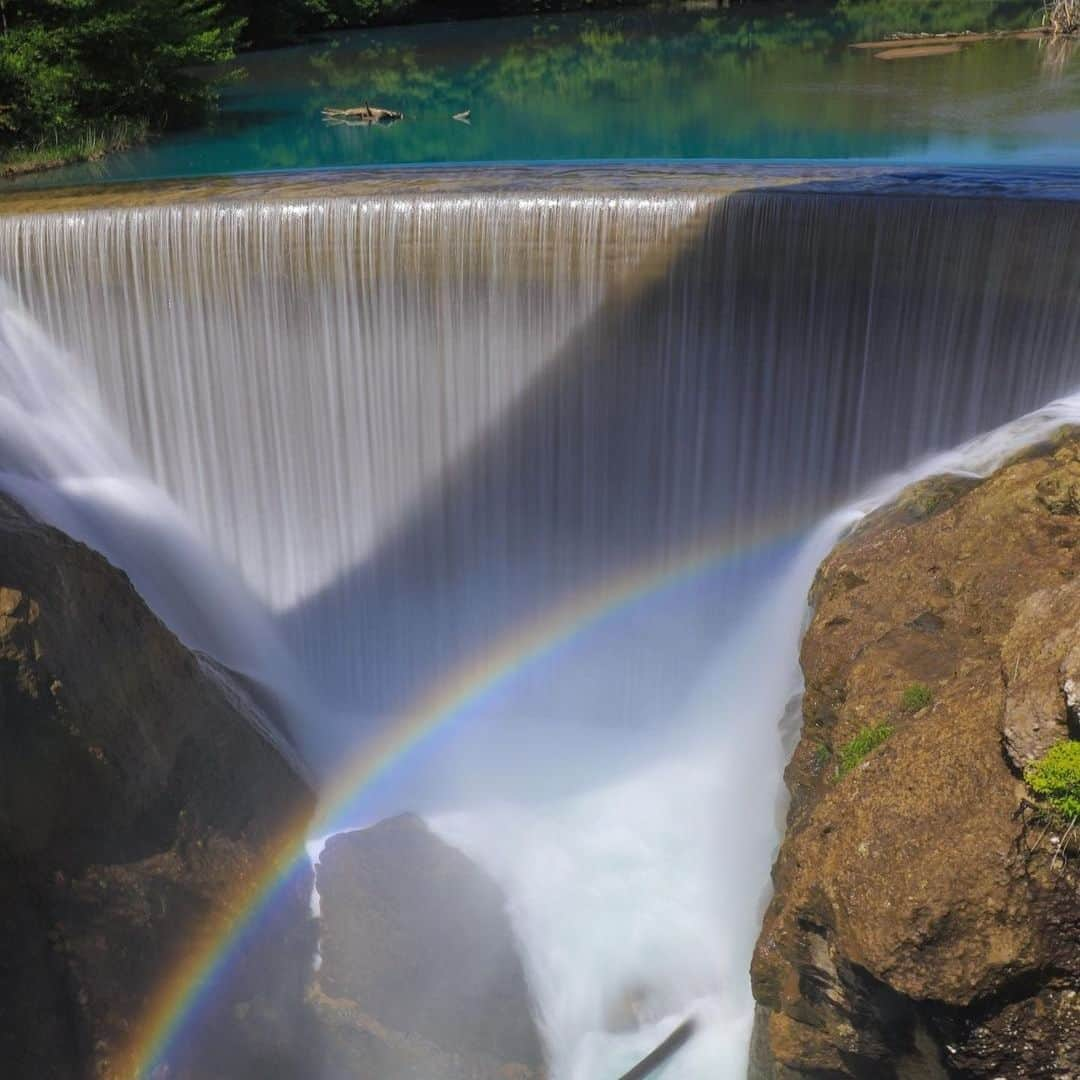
(278, 23)
(69, 64)
(282, 22)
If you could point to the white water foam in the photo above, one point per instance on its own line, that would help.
(643, 897)
(641, 901)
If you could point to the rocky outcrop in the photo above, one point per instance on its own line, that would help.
(420, 976)
(920, 925)
(134, 792)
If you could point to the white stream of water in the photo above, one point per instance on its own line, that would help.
(633, 872)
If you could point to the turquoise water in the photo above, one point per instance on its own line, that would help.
(777, 83)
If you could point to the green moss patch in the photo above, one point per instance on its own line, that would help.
(916, 697)
(1055, 778)
(853, 751)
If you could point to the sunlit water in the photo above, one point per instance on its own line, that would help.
(347, 445)
(765, 81)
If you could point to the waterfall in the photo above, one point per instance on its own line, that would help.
(318, 364)
(461, 407)
(60, 458)
(409, 423)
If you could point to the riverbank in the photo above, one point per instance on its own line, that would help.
(93, 145)
(912, 46)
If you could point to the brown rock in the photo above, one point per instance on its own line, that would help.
(133, 794)
(1033, 656)
(911, 933)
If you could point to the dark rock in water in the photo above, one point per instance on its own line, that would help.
(133, 794)
(925, 923)
(420, 974)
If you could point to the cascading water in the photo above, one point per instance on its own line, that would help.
(61, 460)
(413, 422)
(318, 364)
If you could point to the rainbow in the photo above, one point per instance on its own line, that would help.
(178, 997)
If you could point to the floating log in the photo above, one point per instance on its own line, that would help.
(664, 1052)
(965, 37)
(914, 54)
(362, 114)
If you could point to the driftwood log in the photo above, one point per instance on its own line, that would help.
(670, 1046)
(362, 114)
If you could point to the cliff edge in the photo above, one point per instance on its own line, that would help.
(926, 918)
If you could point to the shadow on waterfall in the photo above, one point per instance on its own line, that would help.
(796, 345)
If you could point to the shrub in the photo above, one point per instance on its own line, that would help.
(1055, 778)
(917, 696)
(1062, 16)
(70, 65)
(867, 740)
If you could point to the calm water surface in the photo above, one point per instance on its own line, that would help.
(778, 83)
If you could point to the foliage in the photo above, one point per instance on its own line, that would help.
(68, 65)
(1062, 16)
(363, 12)
(853, 751)
(1055, 778)
(285, 21)
(879, 18)
(277, 23)
(915, 697)
(91, 144)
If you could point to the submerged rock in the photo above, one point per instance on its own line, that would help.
(134, 793)
(420, 976)
(914, 931)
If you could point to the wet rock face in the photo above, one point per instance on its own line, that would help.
(420, 974)
(133, 794)
(913, 932)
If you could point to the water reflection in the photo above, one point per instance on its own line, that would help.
(769, 81)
